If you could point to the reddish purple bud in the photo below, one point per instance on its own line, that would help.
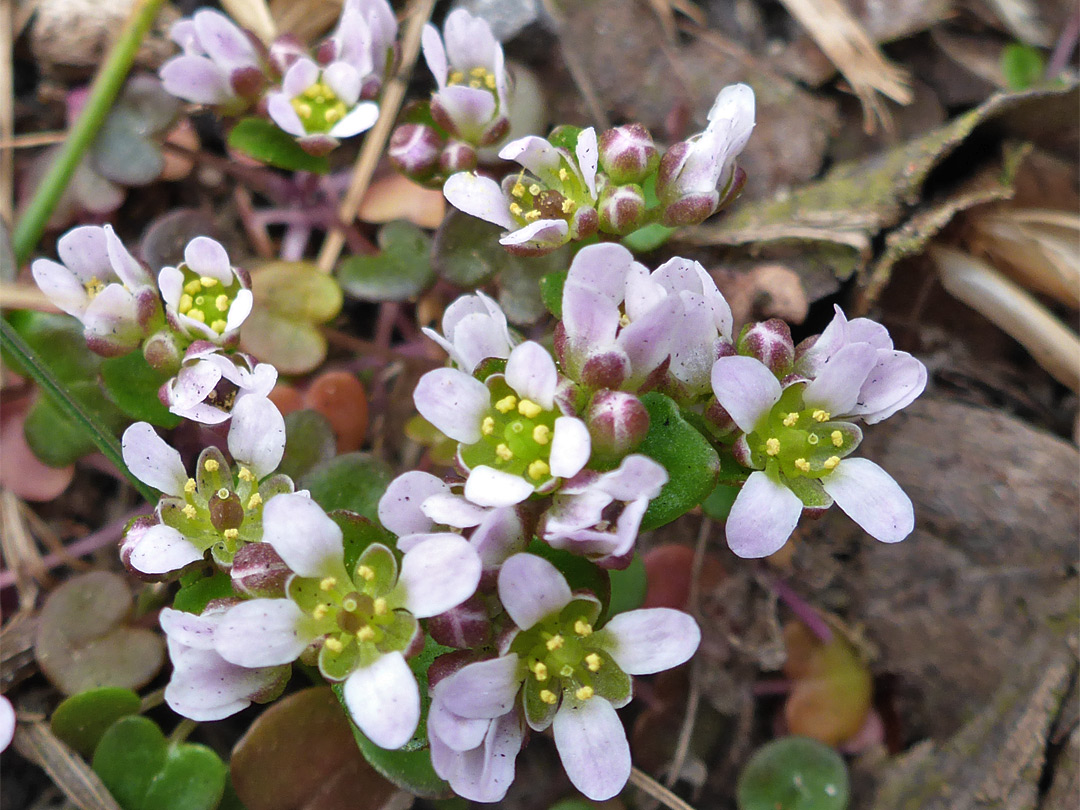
(734, 188)
(132, 535)
(670, 166)
(770, 342)
(585, 223)
(148, 311)
(606, 370)
(447, 664)
(628, 154)
(248, 82)
(457, 156)
(258, 571)
(741, 451)
(414, 150)
(692, 209)
(285, 50)
(163, 352)
(622, 209)
(496, 132)
(719, 420)
(465, 627)
(618, 424)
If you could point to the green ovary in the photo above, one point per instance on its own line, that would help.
(207, 300)
(516, 438)
(801, 442)
(319, 108)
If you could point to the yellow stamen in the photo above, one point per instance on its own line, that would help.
(831, 462)
(593, 661)
(245, 474)
(540, 671)
(255, 501)
(516, 210)
(584, 693)
(534, 189)
(365, 633)
(303, 110)
(837, 438)
(564, 175)
(333, 115)
(193, 287)
(189, 511)
(489, 81)
(582, 628)
(222, 302)
(518, 191)
(532, 216)
(320, 612)
(820, 415)
(380, 607)
(529, 409)
(506, 404)
(219, 326)
(487, 427)
(504, 452)
(328, 584)
(207, 282)
(541, 434)
(313, 91)
(230, 534)
(772, 446)
(334, 645)
(185, 304)
(189, 486)
(568, 206)
(456, 77)
(197, 315)
(538, 469)
(791, 420)
(475, 84)
(478, 72)
(802, 464)
(365, 572)
(554, 643)
(211, 465)
(548, 697)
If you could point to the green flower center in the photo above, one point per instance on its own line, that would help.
(319, 108)
(802, 442)
(532, 200)
(207, 300)
(516, 436)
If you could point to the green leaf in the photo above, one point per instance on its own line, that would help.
(133, 385)
(309, 441)
(466, 250)
(718, 504)
(1022, 65)
(353, 481)
(628, 587)
(358, 533)
(193, 597)
(793, 773)
(691, 462)
(400, 272)
(647, 239)
(565, 136)
(551, 291)
(264, 141)
(82, 719)
(143, 771)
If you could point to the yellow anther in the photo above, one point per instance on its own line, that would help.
(593, 661)
(538, 469)
(584, 693)
(207, 282)
(568, 206)
(334, 645)
(478, 72)
(541, 434)
(193, 287)
(518, 191)
(802, 464)
(837, 438)
(831, 462)
(93, 287)
(813, 440)
(564, 175)
(516, 210)
(535, 189)
(197, 315)
(529, 409)
(582, 628)
(189, 511)
(504, 452)
(772, 446)
(185, 304)
(219, 326)
(554, 643)
(230, 534)
(489, 81)
(820, 415)
(333, 115)
(365, 633)
(475, 84)
(313, 91)
(303, 110)
(328, 584)
(189, 486)
(532, 216)
(320, 612)
(791, 420)
(365, 572)
(456, 77)
(211, 465)
(506, 404)
(245, 474)
(548, 697)
(380, 607)
(487, 427)
(222, 302)
(540, 671)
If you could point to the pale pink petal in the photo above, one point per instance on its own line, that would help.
(587, 156)
(171, 284)
(871, 498)
(439, 574)
(531, 589)
(762, 518)
(299, 77)
(84, 251)
(590, 318)
(344, 81)
(836, 387)
(206, 257)
(60, 286)
(153, 461)
(262, 633)
(161, 550)
(604, 267)
(544, 234)
(453, 402)
(479, 197)
(485, 689)
(487, 486)
(530, 371)
(894, 383)
(206, 687)
(458, 733)
(864, 330)
(359, 119)
(192, 384)
(469, 108)
(257, 434)
(469, 41)
(453, 510)
(746, 389)
(223, 41)
(570, 447)
(434, 54)
(280, 109)
(240, 309)
(651, 640)
(196, 79)
(384, 701)
(592, 746)
(399, 507)
(536, 155)
(304, 536)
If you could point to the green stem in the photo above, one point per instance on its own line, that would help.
(30, 363)
(107, 84)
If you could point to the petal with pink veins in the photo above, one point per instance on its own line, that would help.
(871, 498)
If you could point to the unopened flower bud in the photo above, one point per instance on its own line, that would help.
(628, 154)
(465, 627)
(284, 51)
(163, 352)
(457, 156)
(770, 342)
(719, 420)
(618, 424)
(622, 209)
(414, 150)
(585, 223)
(259, 572)
(692, 209)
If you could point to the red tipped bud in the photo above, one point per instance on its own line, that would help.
(259, 572)
(618, 424)
(465, 627)
(457, 156)
(163, 352)
(770, 342)
(622, 209)
(415, 150)
(628, 154)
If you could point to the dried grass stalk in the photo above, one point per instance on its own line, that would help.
(253, 15)
(68, 770)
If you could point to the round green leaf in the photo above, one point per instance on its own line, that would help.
(691, 462)
(353, 481)
(551, 291)
(718, 504)
(309, 441)
(133, 385)
(264, 141)
(628, 587)
(195, 594)
(82, 719)
(794, 773)
(402, 270)
(466, 250)
(193, 779)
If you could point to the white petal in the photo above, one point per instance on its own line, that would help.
(587, 156)
(459, 733)
(485, 689)
(530, 371)
(399, 507)
(836, 387)
(299, 77)
(453, 402)
(257, 434)
(871, 498)
(7, 722)
(240, 309)
(438, 574)
(84, 251)
(152, 461)
(434, 54)
(592, 746)
(359, 119)
(344, 81)
(479, 197)
(531, 588)
(762, 518)
(453, 510)
(746, 389)
(487, 486)
(161, 550)
(261, 633)
(303, 535)
(384, 701)
(206, 257)
(281, 110)
(652, 639)
(171, 284)
(570, 447)
(60, 286)
(544, 233)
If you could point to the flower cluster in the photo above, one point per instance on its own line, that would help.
(575, 184)
(317, 97)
